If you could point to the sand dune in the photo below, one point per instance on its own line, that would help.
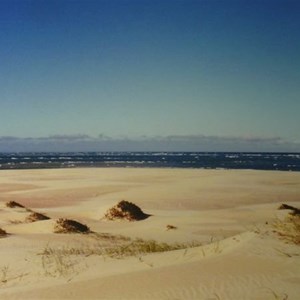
(227, 216)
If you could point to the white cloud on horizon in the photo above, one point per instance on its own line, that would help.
(84, 142)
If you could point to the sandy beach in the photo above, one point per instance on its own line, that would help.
(210, 234)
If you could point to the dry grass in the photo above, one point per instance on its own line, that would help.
(118, 247)
(4, 271)
(294, 210)
(15, 222)
(139, 247)
(65, 260)
(126, 211)
(277, 296)
(35, 216)
(13, 204)
(56, 263)
(70, 226)
(2, 232)
(171, 227)
(289, 228)
(6, 275)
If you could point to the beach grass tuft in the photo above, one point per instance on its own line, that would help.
(35, 216)
(171, 227)
(2, 232)
(125, 210)
(56, 263)
(4, 271)
(118, 248)
(70, 226)
(13, 204)
(294, 210)
(289, 228)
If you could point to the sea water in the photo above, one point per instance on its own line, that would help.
(205, 160)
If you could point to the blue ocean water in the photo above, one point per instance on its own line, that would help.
(205, 160)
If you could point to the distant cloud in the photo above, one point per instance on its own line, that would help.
(83, 142)
(7, 138)
(218, 143)
(65, 137)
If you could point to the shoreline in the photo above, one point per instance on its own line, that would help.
(144, 167)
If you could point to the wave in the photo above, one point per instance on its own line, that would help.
(206, 160)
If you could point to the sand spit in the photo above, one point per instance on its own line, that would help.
(212, 234)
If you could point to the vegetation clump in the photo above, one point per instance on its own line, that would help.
(289, 228)
(294, 210)
(2, 232)
(13, 204)
(127, 211)
(120, 247)
(139, 247)
(171, 227)
(35, 216)
(70, 226)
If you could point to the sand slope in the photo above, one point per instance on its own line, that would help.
(230, 213)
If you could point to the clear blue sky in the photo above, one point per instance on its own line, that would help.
(150, 68)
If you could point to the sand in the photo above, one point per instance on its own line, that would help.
(228, 217)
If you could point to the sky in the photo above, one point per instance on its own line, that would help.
(150, 75)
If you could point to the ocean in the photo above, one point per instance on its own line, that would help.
(199, 160)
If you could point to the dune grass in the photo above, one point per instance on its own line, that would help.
(3, 273)
(63, 261)
(117, 247)
(139, 247)
(289, 228)
(56, 263)
(35, 216)
(171, 227)
(2, 232)
(70, 226)
(14, 204)
(125, 210)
